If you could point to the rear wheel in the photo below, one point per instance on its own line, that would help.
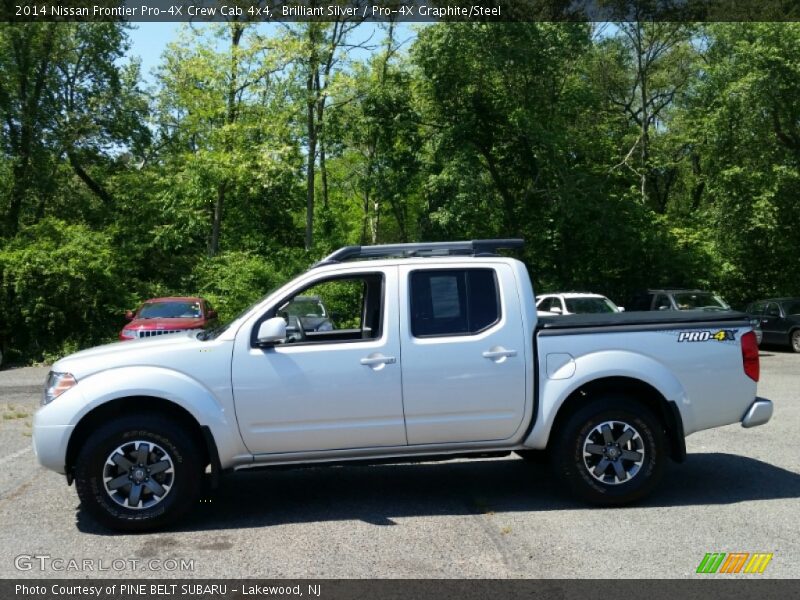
(137, 474)
(795, 340)
(610, 452)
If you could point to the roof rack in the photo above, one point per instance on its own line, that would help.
(465, 248)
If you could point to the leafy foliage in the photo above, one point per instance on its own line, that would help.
(627, 156)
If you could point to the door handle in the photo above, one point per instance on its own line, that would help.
(378, 360)
(502, 353)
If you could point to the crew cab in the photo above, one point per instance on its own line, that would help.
(436, 351)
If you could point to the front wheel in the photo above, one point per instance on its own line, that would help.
(610, 452)
(137, 474)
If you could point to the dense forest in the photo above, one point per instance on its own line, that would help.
(627, 155)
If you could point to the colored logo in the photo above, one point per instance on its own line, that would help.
(723, 335)
(734, 562)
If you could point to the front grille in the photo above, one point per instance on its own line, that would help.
(145, 333)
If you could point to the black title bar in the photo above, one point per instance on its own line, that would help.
(398, 10)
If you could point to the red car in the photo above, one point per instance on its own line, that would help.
(158, 316)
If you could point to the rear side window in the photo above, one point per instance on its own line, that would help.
(453, 302)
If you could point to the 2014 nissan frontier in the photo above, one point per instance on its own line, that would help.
(435, 350)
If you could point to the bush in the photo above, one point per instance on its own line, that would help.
(233, 280)
(61, 288)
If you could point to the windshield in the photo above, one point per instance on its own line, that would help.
(590, 305)
(179, 309)
(792, 307)
(699, 300)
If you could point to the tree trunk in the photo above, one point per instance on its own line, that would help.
(237, 30)
(216, 221)
(96, 188)
(311, 161)
(645, 125)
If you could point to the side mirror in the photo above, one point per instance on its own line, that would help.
(129, 315)
(555, 310)
(621, 308)
(272, 331)
(212, 314)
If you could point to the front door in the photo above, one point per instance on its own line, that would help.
(335, 383)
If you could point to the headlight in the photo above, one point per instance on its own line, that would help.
(57, 384)
(128, 334)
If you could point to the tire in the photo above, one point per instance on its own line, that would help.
(794, 340)
(582, 443)
(109, 457)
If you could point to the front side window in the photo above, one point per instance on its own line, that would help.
(453, 302)
(335, 310)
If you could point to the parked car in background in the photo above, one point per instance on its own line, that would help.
(779, 319)
(159, 316)
(677, 299)
(575, 303)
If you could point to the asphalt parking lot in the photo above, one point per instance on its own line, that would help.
(737, 492)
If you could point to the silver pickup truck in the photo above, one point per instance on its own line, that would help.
(434, 350)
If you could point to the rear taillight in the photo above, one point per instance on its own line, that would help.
(750, 355)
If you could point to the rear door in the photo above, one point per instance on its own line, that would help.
(464, 353)
(772, 324)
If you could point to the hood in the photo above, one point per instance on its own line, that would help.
(176, 323)
(134, 352)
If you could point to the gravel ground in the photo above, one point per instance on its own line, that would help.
(737, 492)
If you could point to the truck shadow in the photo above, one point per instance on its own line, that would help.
(380, 494)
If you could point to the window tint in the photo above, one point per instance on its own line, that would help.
(641, 302)
(453, 302)
(792, 307)
(773, 310)
(698, 300)
(662, 303)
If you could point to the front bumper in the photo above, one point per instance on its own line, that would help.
(760, 412)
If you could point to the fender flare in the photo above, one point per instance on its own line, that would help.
(598, 366)
(169, 385)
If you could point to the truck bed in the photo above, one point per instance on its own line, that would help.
(638, 321)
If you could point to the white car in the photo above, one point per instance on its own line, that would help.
(575, 303)
(437, 352)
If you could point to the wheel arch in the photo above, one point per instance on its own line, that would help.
(640, 391)
(111, 409)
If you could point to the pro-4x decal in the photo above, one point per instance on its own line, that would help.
(721, 335)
